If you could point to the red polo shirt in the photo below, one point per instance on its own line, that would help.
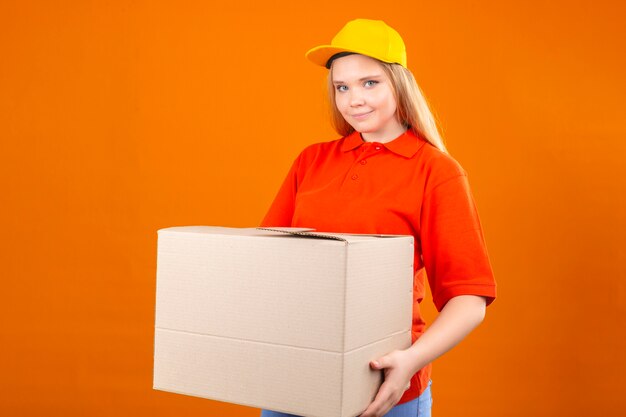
(404, 187)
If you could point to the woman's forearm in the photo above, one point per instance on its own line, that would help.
(456, 320)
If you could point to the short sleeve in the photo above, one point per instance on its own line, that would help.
(453, 245)
(281, 211)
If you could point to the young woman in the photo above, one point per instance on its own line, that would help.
(390, 174)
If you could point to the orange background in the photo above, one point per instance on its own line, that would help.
(119, 118)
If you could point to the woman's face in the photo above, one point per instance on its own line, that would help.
(364, 97)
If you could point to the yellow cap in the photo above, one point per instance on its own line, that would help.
(373, 38)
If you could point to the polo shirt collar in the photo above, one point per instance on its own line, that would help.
(406, 145)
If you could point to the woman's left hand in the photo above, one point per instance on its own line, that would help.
(397, 367)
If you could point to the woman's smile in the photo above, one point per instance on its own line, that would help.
(360, 116)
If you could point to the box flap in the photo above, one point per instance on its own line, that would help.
(305, 233)
(344, 237)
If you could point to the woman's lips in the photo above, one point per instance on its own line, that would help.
(359, 116)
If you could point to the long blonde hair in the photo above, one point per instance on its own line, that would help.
(412, 107)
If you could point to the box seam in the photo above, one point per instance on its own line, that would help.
(280, 344)
(343, 324)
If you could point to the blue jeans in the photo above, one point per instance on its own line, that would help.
(419, 407)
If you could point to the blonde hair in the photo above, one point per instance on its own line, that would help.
(412, 107)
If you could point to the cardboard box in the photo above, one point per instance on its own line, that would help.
(279, 321)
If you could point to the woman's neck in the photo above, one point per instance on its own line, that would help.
(384, 136)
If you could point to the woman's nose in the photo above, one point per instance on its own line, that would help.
(356, 98)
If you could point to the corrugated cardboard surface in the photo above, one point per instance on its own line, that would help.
(278, 321)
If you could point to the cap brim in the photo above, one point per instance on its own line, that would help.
(321, 54)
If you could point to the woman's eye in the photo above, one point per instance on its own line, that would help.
(342, 88)
(371, 83)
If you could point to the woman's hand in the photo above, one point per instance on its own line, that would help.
(398, 369)
(460, 315)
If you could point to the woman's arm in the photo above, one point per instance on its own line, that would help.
(457, 319)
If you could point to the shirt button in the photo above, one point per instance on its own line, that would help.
(377, 148)
(354, 177)
(363, 161)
